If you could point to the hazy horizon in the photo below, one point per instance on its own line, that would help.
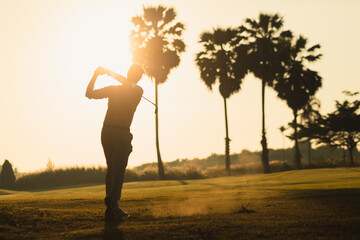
(49, 50)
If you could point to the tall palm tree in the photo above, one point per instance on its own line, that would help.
(217, 63)
(298, 83)
(156, 44)
(264, 36)
(307, 115)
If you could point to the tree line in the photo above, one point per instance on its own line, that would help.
(246, 162)
(340, 128)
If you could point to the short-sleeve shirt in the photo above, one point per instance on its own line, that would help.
(122, 103)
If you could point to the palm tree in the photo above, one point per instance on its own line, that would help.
(217, 63)
(307, 115)
(298, 83)
(156, 44)
(264, 37)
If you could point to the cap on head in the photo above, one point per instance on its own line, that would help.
(135, 73)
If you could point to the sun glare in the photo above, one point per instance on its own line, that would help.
(103, 40)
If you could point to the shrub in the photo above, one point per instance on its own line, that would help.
(7, 176)
(92, 175)
(60, 178)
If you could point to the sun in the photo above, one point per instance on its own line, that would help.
(98, 36)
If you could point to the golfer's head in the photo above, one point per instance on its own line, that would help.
(135, 73)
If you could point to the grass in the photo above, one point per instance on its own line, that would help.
(304, 204)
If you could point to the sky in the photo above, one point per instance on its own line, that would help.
(50, 49)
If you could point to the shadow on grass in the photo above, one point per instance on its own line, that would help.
(340, 194)
(4, 193)
(112, 231)
(183, 182)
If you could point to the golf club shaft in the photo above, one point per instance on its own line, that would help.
(149, 101)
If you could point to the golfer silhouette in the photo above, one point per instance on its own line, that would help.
(115, 136)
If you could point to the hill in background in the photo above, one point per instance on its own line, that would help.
(319, 156)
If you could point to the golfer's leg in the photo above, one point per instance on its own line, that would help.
(110, 172)
(109, 152)
(119, 173)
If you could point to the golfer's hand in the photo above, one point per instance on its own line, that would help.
(100, 71)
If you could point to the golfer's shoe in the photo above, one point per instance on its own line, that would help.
(119, 213)
(115, 214)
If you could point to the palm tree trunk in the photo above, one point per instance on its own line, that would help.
(265, 152)
(160, 164)
(227, 141)
(351, 157)
(283, 148)
(297, 151)
(351, 146)
(309, 150)
(344, 155)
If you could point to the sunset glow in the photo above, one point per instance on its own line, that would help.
(50, 49)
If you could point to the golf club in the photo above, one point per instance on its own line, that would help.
(149, 101)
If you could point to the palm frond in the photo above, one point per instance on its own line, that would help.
(222, 36)
(153, 14)
(276, 21)
(137, 20)
(286, 34)
(176, 29)
(170, 59)
(209, 47)
(179, 45)
(300, 44)
(229, 86)
(313, 48)
(264, 22)
(170, 15)
(252, 23)
(206, 37)
(313, 58)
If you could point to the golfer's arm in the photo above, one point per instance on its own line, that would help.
(90, 88)
(115, 75)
